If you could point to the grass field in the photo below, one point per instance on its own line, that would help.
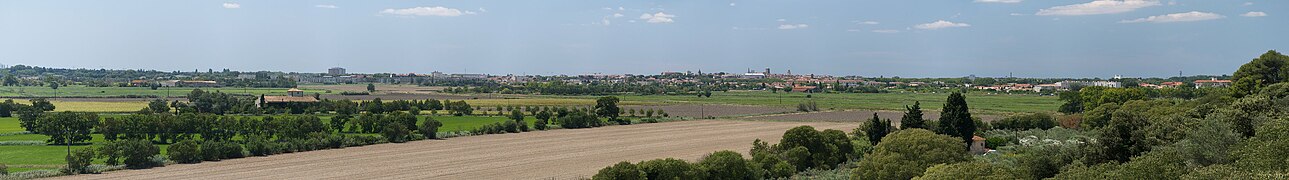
(82, 91)
(52, 155)
(979, 102)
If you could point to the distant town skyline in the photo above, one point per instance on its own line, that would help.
(986, 38)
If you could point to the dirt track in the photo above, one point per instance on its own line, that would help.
(559, 154)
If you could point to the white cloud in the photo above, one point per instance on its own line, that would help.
(1177, 17)
(232, 5)
(426, 11)
(620, 8)
(658, 17)
(607, 8)
(1097, 7)
(1248, 3)
(941, 24)
(998, 1)
(328, 6)
(1254, 14)
(886, 31)
(781, 20)
(606, 22)
(794, 26)
(617, 15)
(470, 12)
(732, 4)
(870, 22)
(1016, 14)
(483, 10)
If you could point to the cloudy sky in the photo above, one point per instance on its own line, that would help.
(909, 38)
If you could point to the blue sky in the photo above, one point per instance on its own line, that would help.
(908, 38)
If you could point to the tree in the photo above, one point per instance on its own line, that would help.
(913, 117)
(430, 128)
(371, 87)
(10, 80)
(66, 127)
(137, 152)
(1025, 122)
(955, 119)
(185, 151)
(876, 129)
(158, 106)
(728, 165)
(906, 154)
(607, 107)
(395, 132)
(621, 171)
(1073, 103)
(518, 117)
(1270, 68)
(42, 104)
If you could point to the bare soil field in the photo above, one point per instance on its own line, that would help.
(694, 110)
(854, 116)
(409, 96)
(380, 88)
(557, 154)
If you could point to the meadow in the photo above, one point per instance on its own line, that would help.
(32, 157)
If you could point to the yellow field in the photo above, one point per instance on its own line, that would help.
(93, 106)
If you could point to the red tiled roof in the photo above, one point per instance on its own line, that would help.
(977, 138)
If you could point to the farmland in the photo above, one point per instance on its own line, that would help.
(558, 154)
(102, 92)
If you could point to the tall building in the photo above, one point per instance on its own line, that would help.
(336, 71)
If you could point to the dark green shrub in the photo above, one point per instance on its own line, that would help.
(1026, 121)
(729, 165)
(430, 128)
(137, 152)
(217, 150)
(395, 132)
(671, 169)
(185, 151)
(621, 171)
(259, 145)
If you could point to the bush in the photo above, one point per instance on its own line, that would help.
(1026, 121)
(621, 171)
(907, 153)
(671, 169)
(430, 129)
(729, 165)
(137, 152)
(4, 170)
(579, 120)
(78, 161)
(258, 145)
(395, 132)
(217, 150)
(185, 151)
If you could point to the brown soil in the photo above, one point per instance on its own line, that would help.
(557, 154)
(403, 96)
(693, 110)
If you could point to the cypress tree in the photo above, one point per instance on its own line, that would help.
(913, 117)
(955, 120)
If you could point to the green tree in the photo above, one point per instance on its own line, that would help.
(371, 87)
(621, 171)
(518, 117)
(876, 129)
(66, 127)
(185, 151)
(1269, 68)
(908, 153)
(607, 107)
(913, 117)
(671, 169)
(137, 152)
(955, 119)
(42, 104)
(79, 160)
(430, 128)
(158, 106)
(1073, 103)
(729, 165)
(395, 132)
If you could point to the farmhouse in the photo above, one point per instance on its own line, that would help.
(1214, 82)
(293, 97)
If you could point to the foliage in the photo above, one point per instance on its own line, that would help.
(607, 107)
(967, 170)
(79, 160)
(217, 150)
(430, 128)
(185, 151)
(1269, 68)
(137, 152)
(396, 132)
(671, 169)
(955, 119)
(913, 117)
(621, 171)
(66, 127)
(579, 119)
(907, 153)
(1025, 122)
(826, 148)
(876, 128)
(728, 165)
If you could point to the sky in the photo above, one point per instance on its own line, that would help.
(906, 38)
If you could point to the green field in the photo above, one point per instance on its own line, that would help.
(82, 91)
(979, 102)
(52, 155)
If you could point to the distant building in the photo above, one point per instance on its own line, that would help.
(1214, 82)
(293, 97)
(978, 145)
(188, 83)
(335, 71)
